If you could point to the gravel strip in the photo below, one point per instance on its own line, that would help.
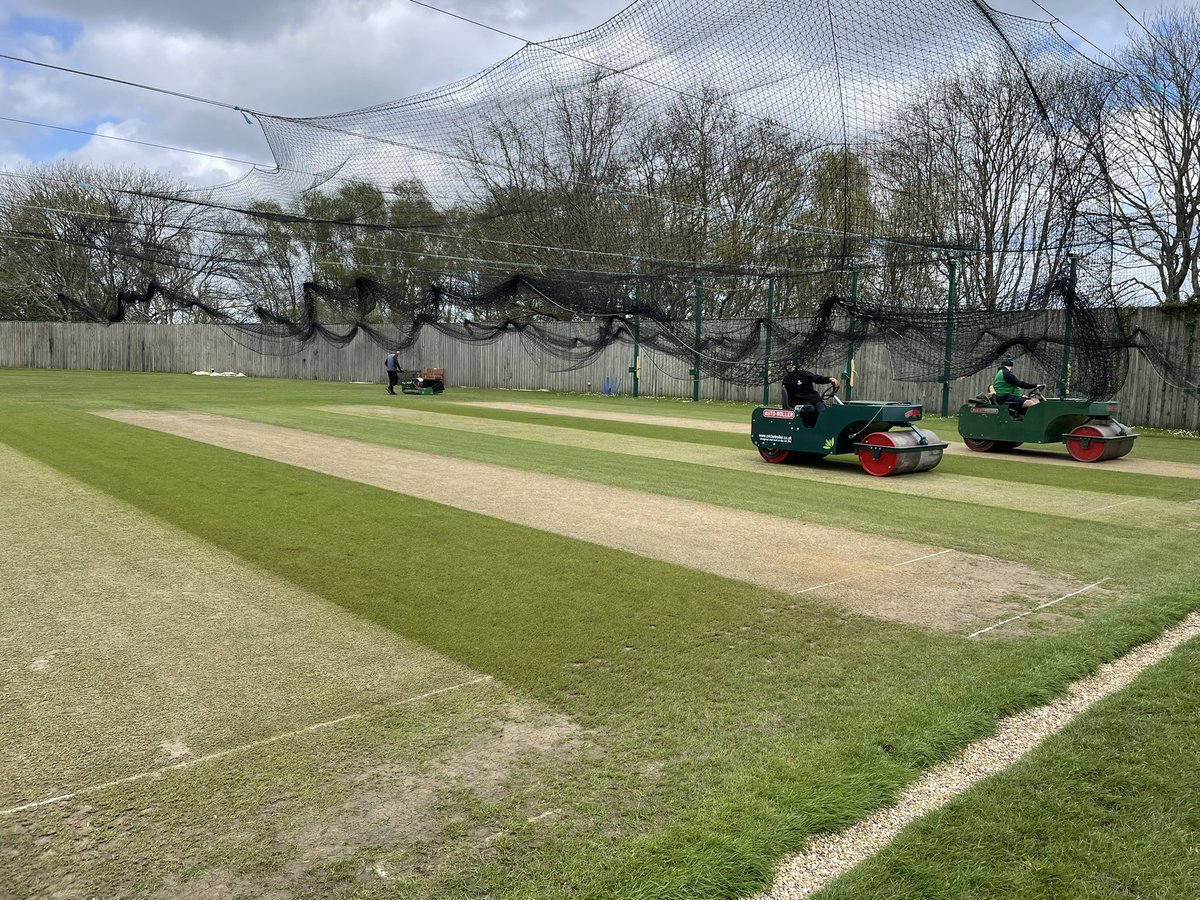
(829, 855)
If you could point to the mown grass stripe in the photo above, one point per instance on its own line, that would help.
(729, 727)
(682, 532)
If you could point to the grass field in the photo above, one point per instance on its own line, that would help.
(431, 647)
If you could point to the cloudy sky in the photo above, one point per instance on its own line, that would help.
(286, 57)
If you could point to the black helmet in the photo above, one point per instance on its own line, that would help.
(1007, 360)
(790, 362)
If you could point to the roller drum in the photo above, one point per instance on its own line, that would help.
(893, 463)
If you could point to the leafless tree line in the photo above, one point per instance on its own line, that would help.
(977, 168)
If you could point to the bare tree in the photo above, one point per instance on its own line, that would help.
(1152, 135)
(608, 187)
(978, 167)
(96, 234)
(553, 196)
(724, 193)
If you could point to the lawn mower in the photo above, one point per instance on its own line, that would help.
(860, 427)
(1087, 427)
(424, 381)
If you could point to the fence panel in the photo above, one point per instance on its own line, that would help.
(512, 361)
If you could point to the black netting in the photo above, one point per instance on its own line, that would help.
(745, 162)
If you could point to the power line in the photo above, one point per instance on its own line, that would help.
(461, 18)
(785, 226)
(424, 252)
(136, 84)
(1142, 25)
(1056, 20)
(113, 137)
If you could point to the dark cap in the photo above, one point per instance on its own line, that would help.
(1007, 361)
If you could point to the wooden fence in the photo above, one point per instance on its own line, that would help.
(512, 362)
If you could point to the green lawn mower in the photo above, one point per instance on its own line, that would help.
(1087, 427)
(860, 427)
(424, 381)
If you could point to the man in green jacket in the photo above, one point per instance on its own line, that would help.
(1008, 388)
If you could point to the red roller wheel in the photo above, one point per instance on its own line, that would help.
(886, 463)
(979, 445)
(1096, 450)
(774, 456)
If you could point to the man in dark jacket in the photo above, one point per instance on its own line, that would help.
(1008, 388)
(392, 364)
(799, 389)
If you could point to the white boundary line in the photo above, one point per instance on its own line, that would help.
(188, 763)
(829, 855)
(1030, 612)
(852, 577)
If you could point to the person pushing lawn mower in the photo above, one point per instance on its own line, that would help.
(391, 365)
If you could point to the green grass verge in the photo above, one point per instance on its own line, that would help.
(1108, 809)
(729, 722)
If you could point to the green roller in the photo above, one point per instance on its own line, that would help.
(1088, 427)
(861, 427)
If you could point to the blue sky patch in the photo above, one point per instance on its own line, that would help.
(40, 144)
(64, 32)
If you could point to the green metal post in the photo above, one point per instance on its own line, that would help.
(770, 332)
(636, 369)
(696, 356)
(637, 352)
(951, 304)
(848, 375)
(1064, 379)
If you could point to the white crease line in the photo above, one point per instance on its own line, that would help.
(187, 763)
(1030, 612)
(1088, 512)
(826, 584)
(829, 855)
(926, 556)
(852, 577)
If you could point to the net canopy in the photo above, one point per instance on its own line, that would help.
(833, 159)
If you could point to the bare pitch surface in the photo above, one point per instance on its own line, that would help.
(940, 485)
(1029, 453)
(873, 575)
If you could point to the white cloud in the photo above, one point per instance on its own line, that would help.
(296, 58)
